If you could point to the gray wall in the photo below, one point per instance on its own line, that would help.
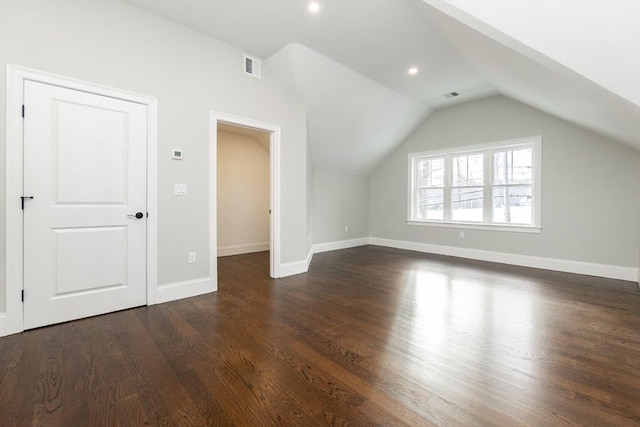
(339, 200)
(310, 215)
(590, 196)
(117, 45)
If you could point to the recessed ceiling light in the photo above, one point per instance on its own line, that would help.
(314, 7)
(413, 71)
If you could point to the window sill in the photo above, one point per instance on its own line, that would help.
(476, 226)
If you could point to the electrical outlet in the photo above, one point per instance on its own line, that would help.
(192, 257)
(346, 228)
(462, 234)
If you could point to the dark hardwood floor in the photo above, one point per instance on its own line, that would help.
(370, 336)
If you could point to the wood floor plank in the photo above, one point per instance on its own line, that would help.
(370, 336)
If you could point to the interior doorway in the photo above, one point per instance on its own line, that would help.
(243, 192)
(245, 183)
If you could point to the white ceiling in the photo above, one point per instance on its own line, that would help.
(598, 39)
(349, 63)
(353, 121)
(527, 75)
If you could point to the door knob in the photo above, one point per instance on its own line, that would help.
(137, 215)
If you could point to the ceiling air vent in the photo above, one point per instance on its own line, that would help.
(252, 66)
(451, 94)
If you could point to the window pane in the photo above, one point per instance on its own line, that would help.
(430, 204)
(466, 204)
(513, 166)
(430, 173)
(467, 170)
(512, 205)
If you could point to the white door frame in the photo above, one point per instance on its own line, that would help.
(11, 321)
(274, 171)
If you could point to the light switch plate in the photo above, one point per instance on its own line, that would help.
(180, 189)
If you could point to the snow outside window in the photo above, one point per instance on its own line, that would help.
(494, 186)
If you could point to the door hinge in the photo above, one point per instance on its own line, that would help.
(22, 110)
(22, 295)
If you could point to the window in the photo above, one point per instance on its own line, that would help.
(494, 186)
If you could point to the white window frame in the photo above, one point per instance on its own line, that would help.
(533, 142)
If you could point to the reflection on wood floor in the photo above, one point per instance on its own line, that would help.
(370, 336)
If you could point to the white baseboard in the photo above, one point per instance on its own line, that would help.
(568, 266)
(189, 288)
(298, 267)
(341, 244)
(292, 268)
(163, 293)
(309, 257)
(243, 249)
(10, 324)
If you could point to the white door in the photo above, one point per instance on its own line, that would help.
(85, 167)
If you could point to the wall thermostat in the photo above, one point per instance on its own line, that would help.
(177, 154)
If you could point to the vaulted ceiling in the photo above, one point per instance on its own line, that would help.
(349, 64)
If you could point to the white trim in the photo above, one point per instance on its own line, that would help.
(534, 142)
(477, 147)
(186, 289)
(213, 201)
(152, 201)
(274, 153)
(294, 267)
(340, 244)
(243, 249)
(477, 226)
(568, 266)
(12, 320)
(309, 257)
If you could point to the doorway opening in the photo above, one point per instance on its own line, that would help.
(245, 187)
(243, 190)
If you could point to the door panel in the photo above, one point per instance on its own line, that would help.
(85, 166)
(83, 156)
(89, 259)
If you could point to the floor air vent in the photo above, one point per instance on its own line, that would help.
(252, 66)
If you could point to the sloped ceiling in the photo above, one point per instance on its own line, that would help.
(598, 39)
(523, 73)
(353, 121)
(348, 64)
(262, 138)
